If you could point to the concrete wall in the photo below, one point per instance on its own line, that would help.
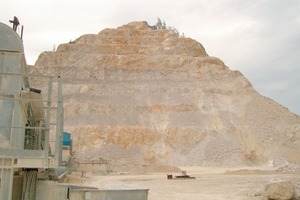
(136, 194)
(49, 190)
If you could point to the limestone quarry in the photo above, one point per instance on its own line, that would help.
(138, 97)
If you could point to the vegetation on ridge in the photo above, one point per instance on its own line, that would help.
(162, 25)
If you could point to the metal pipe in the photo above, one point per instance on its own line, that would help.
(19, 98)
(22, 29)
(24, 74)
(48, 117)
(26, 127)
(59, 124)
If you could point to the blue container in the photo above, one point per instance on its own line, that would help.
(66, 139)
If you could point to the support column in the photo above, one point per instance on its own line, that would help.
(7, 178)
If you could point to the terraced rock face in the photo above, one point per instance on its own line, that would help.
(138, 96)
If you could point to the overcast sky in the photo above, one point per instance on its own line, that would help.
(260, 38)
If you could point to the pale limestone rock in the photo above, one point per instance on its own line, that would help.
(280, 190)
(139, 95)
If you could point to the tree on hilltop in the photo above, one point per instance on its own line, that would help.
(160, 25)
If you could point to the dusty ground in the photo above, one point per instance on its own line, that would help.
(210, 184)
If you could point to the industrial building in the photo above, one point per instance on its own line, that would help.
(32, 135)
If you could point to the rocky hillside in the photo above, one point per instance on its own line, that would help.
(139, 96)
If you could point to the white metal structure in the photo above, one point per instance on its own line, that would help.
(25, 122)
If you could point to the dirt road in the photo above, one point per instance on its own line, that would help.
(210, 184)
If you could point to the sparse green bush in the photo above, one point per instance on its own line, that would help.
(162, 25)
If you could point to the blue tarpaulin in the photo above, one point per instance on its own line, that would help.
(66, 139)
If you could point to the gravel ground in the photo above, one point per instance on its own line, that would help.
(210, 184)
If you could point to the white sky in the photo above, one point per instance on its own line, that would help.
(260, 38)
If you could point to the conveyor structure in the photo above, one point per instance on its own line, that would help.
(26, 122)
(32, 137)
